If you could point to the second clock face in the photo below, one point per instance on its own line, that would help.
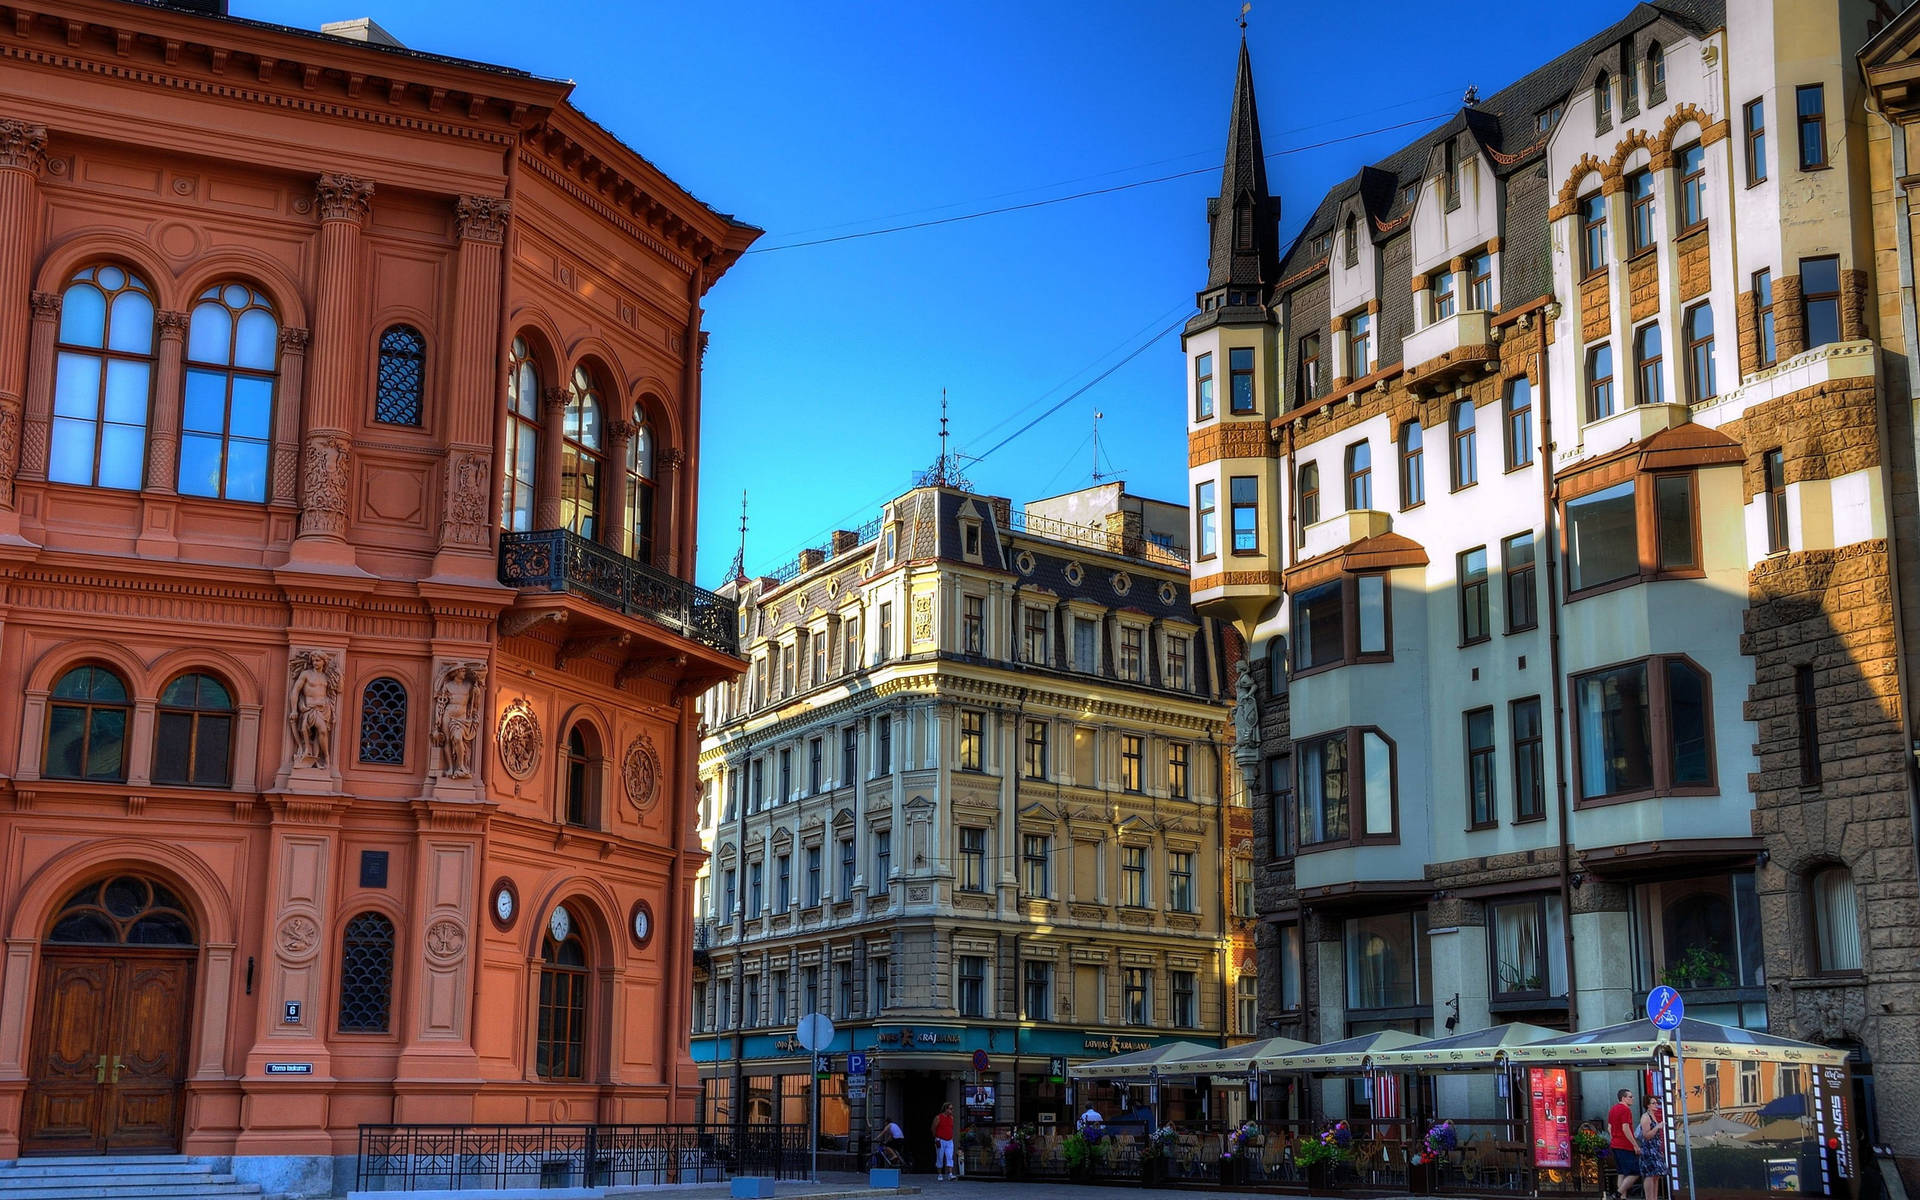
(560, 924)
(506, 903)
(642, 924)
(503, 904)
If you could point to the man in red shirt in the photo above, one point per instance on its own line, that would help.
(943, 1143)
(1620, 1139)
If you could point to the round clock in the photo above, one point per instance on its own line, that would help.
(641, 923)
(505, 903)
(560, 924)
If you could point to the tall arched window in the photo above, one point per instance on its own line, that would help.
(1699, 332)
(639, 527)
(193, 741)
(366, 974)
(1836, 921)
(383, 722)
(580, 459)
(523, 438)
(403, 376)
(226, 418)
(87, 726)
(561, 1045)
(103, 380)
(583, 777)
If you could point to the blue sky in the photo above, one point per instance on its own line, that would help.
(812, 118)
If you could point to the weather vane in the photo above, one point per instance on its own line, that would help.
(1244, 10)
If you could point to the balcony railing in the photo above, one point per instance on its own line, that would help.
(1097, 537)
(559, 560)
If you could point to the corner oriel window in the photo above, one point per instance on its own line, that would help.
(1643, 728)
(1246, 514)
(1240, 366)
(1206, 520)
(1810, 103)
(1203, 387)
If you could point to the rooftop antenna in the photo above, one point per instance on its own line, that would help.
(1097, 414)
(738, 572)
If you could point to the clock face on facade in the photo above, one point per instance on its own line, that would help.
(506, 903)
(560, 924)
(641, 924)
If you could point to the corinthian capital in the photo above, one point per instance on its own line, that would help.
(481, 218)
(343, 197)
(23, 147)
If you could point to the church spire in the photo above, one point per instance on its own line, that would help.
(1243, 254)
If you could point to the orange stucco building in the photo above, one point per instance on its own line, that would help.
(349, 434)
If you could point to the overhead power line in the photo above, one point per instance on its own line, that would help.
(1118, 187)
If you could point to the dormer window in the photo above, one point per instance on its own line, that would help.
(1451, 166)
(1656, 74)
(1602, 104)
(1352, 239)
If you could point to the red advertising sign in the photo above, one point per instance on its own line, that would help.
(1552, 1135)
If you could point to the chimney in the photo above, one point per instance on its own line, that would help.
(360, 29)
(811, 558)
(843, 541)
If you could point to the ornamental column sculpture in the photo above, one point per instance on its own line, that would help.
(325, 450)
(553, 432)
(36, 427)
(23, 151)
(613, 515)
(473, 390)
(159, 508)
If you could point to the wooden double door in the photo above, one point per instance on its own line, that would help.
(108, 1072)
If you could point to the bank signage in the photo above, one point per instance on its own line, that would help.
(904, 1038)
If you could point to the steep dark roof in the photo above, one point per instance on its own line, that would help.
(1503, 124)
(1241, 271)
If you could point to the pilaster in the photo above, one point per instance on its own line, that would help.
(23, 153)
(473, 392)
(326, 448)
(158, 507)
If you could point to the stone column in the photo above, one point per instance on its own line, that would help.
(613, 493)
(23, 151)
(34, 435)
(473, 390)
(553, 432)
(325, 450)
(670, 475)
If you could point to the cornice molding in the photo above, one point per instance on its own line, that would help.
(589, 181)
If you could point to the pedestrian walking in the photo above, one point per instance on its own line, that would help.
(1622, 1141)
(943, 1143)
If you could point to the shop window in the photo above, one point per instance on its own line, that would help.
(1700, 933)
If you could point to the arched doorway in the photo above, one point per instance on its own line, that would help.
(111, 1021)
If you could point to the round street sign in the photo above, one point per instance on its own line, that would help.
(1665, 1008)
(815, 1032)
(980, 1060)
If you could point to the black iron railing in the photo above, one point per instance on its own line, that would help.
(559, 560)
(407, 1158)
(1097, 537)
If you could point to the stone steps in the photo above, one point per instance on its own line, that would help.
(124, 1177)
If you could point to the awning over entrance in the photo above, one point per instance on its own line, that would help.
(1143, 1064)
(1633, 1042)
(1479, 1050)
(1346, 1056)
(1234, 1060)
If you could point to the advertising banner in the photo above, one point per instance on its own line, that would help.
(1552, 1135)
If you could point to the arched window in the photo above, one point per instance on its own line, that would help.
(1656, 73)
(560, 1048)
(103, 380)
(87, 726)
(383, 722)
(366, 974)
(1836, 921)
(1413, 467)
(523, 438)
(123, 910)
(226, 417)
(1699, 334)
(1603, 104)
(1359, 476)
(1350, 249)
(639, 528)
(583, 777)
(580, 463)
(1599, 382)
(193, 742)
(1308, 501)
(403, 376)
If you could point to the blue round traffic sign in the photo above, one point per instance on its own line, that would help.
(980, 1060)
(1665, 1007)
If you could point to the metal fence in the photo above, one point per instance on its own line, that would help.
(407, 1158)
(1097, 537)
(560, 560)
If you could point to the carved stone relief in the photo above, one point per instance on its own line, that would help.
(467, 496)
(519, 739)
(323, 483)
(641, 773)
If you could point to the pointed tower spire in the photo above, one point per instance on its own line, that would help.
(1243, 252)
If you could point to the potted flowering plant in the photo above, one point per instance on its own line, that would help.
(1078, 1152)
(1233, 1152)
(1154, 1154)
(1435, 1151)
(1588, 1145)
(1333, 1147)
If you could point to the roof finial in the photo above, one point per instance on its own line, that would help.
(1244, 10)
(1472, 97)
(945, 471)
(738, 572)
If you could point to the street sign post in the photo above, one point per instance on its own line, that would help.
(980, 1060)
(815, 1034)
(1057, 1068)
(1666, 1008)
(856, 1063)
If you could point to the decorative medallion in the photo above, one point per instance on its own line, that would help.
(446, 940)
(1074, 573)
(1167, 593)
(519, 739)
(1024, 562)
(1122, 583)
(299, 938)
(641, 773)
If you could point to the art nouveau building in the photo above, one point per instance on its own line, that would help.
(968, 797)
(1548, 473)
(349, 410)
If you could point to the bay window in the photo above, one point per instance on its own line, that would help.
(1245, 499)
(1346, 788)
(1701, 934)
(1646, 528)
(1644, 728)
(1342, 620)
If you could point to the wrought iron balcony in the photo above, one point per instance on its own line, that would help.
(559, 560)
